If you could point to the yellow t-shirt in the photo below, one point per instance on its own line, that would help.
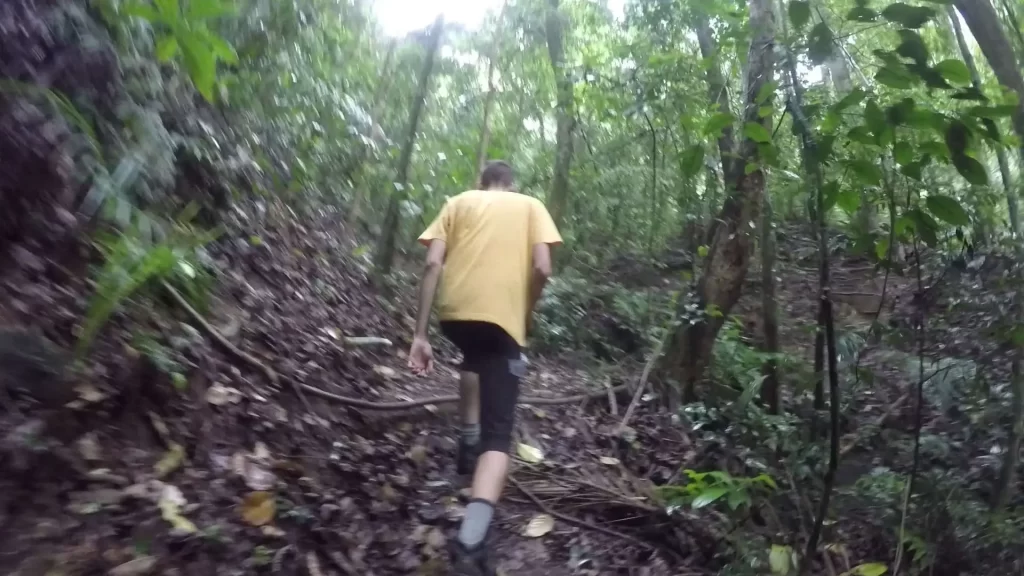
(490, 236)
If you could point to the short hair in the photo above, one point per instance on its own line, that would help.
(497, 173)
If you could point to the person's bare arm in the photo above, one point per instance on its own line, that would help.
(540, 275)
(428, 285)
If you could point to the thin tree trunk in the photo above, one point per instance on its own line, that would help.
(565, 117)
(770, 311)
(718, 92)
(721, 282)
(826, 315)
(485, 128)
(386, 246)
(654, 183)
(984, 23)
(1011, 459)
(1004, 165)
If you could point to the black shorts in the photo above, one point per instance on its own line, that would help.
(496, 357)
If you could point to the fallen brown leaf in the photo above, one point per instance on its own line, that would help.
(258, 508)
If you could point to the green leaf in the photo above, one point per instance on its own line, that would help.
(717, 123)
(169, 10)
(913, 47)
(166, 48)
(927, 119)
(868, 172)
(692, 160)
(140, 10)
(903, 153)
(779, 560)
(757, 132)
(861, 134)
(915, 169)
(931, 77)
(898, 113)
(764, 111)
(208, 9)
(924, 225)
(820, 43)
(862, 14)
(201, 63)
(875, 118)
(799, 13)
(829, 195)
(750, 168)
(736, 499)
(848, 201)
(766, 91)
(954, 71)
(958, 136)
(882, 248)
(872, 569)
(893, 78)
(970, 169)
(222, 49)
(708, 496)
(947, 209)
(908, 16)
(970, 93)
(856, 96)
(993, 112)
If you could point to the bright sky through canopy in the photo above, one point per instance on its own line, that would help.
(399, 17)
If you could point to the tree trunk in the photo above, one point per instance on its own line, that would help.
(485, 128)
(1011, 459)
(720, 284)
(653, 233)
(769, 310)
(718, 92)
(386, 245)
(984, 23)
(564, 115)
(1004, 165)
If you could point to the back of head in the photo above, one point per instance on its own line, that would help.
(497, 175)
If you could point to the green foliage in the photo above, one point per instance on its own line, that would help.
(131, 263)
(182, 29)
(705, 488)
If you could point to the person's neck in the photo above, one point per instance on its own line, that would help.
(499, 189)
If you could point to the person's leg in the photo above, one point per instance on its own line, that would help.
(469, 420)
(499, 391)
(464, 336)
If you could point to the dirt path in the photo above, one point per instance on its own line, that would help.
(353, 491)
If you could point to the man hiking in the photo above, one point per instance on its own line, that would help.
(494, 248)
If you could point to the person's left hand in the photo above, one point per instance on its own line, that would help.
(421, 356)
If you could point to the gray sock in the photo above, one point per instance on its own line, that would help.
(471, 434)
(475, 523)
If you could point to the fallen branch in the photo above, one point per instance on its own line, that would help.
(576, 521)
(227, 345)
(642, 385)
(300, 388)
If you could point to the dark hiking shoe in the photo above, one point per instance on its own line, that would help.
(471, 562)
(465, 461)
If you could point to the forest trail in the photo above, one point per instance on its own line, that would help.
(177, 482)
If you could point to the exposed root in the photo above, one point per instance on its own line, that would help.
(300, 388)
(231, 348)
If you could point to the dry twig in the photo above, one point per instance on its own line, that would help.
(576, 521)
